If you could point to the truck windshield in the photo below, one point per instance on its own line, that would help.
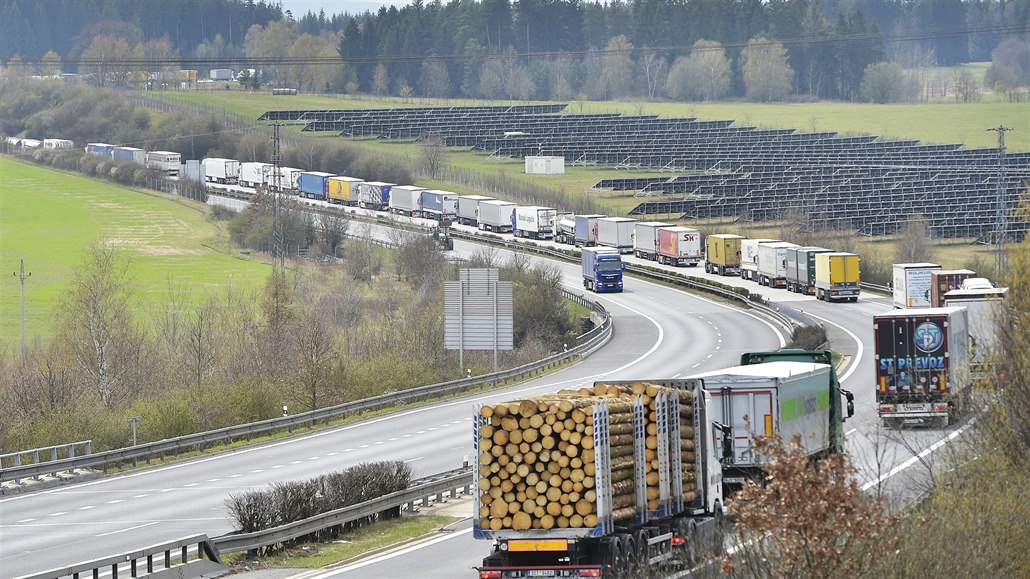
(609, 265)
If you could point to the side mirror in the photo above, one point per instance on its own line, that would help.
(851, 403)
(727, 441)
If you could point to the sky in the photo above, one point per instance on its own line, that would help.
(301, 7)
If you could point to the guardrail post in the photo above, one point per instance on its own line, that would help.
(114, 571)
(184, 556)
(150, 563)
(89, 447)
(132, 568)
(17, 463)
(168, 558)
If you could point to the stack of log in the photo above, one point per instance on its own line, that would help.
(537, 461)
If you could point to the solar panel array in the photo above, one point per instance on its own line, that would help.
(874, 185)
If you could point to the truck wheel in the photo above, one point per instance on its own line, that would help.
(623, 554)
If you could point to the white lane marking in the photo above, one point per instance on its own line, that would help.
(257, 471)
(779, 335)
(296, 461)
(314, 457)
(115, 502)
(25, 521)
(387, 556)
(277, 466)
(170, 490)
(414, 459)
(348, 450)
(850, 432)
(377, 443)
(65, 512)
(239, 475)
(87, 507)
(141, 496)
(213, 479)
(191, 485)
(861, 347)
(129, 529)
(332, 453)
(927, 451)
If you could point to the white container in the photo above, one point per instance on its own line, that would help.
(749, 257)
(913, 284)
(218, 170)
(167, 161)
(760, 395)
(772, 263)
(534, 222)
(645, 239)
(496, 216)
(617, 232)
(406, 200)
(679, 246)
(255, 174)
(468, 208)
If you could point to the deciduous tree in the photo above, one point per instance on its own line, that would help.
(767, 74)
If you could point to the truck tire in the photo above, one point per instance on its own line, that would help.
(626, 558)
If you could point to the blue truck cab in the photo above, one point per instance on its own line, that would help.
(602, 269)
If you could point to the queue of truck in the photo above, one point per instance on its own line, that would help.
(626, 477)
(938, 339)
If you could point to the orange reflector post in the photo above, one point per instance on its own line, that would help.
(768, 425)
(944, 382)
(883, 384)
(523, 545)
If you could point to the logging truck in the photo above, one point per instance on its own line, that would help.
(619, 480)
(598, 482)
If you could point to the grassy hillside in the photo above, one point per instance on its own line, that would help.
(50, 219)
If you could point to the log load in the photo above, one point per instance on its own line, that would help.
(538, 464)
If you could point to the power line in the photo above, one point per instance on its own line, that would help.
(1000, 226)
(255, 62)
(22, 275)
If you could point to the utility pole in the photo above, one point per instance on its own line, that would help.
(1000, 230)
(278, 240)
(22, 276)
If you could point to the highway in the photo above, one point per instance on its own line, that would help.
(659, 332)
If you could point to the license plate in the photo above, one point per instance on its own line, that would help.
(540, 573)
(913, 407)
(912, 421)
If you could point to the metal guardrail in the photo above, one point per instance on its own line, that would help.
(55, 452)
(743, 297)
(437, 486)
(202, 440)
(196, 551)
(875, 287)
(199, 555)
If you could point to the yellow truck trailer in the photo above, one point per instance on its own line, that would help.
(722, 253)
(343, 190)
(837, 276)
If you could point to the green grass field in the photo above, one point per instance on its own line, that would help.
(50, 219)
